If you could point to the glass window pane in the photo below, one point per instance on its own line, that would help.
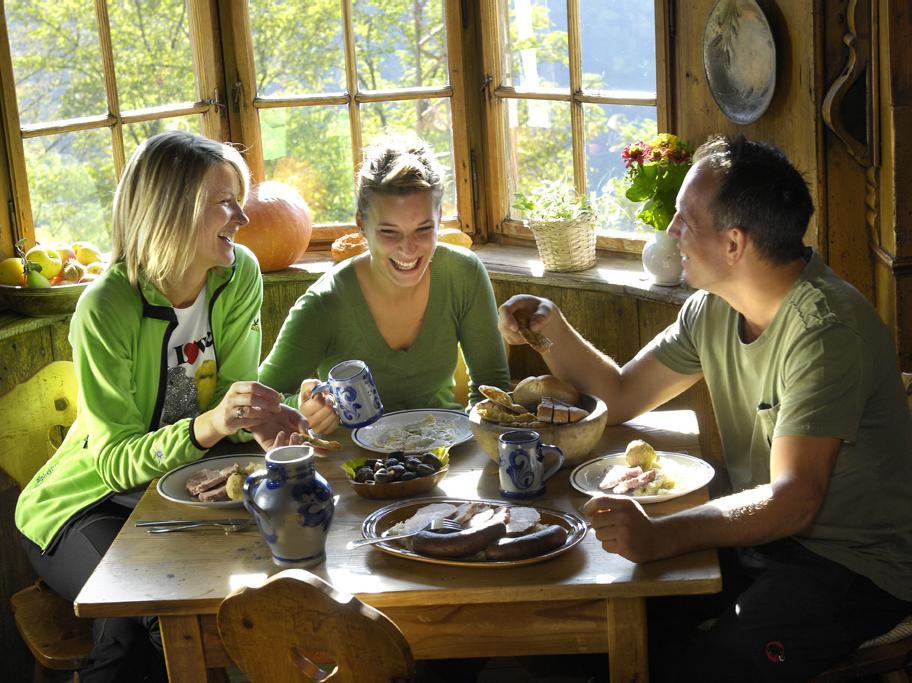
(309, 148)
(609, 129)
(618, 44)
(400, 44)
(539, 144)
(297, 47)
(71, 185)
(136, 133)
(537, 45)
(152, 53)
(430, 119)
(56, 59)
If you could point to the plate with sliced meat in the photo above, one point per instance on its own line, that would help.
(673, 475)
(495, 534)
(204, 482)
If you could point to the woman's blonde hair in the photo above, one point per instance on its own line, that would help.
(399, 164)
(160, 199)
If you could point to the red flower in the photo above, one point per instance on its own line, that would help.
(634, 153)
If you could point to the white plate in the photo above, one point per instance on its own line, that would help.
(690, 474)
(173, 485)
(373, 436)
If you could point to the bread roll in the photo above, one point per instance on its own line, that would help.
(350, 244)
(529, 391)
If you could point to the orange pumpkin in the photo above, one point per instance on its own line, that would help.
(280, 225)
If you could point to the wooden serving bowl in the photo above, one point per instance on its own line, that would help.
(576, 439)
(397, 489)
(48, 301)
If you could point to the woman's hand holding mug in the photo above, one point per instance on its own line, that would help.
(317, 408)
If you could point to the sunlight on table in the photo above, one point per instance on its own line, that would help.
(235, 581)
(683, 421)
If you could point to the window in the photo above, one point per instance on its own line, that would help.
(321, 78)
(569, 84)
(89, 87)
(508, 92)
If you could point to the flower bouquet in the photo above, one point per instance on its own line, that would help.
(655, 172)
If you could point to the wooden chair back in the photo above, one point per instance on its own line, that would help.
(296, 627)
(36, 415)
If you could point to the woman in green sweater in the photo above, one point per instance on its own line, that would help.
(391, 307)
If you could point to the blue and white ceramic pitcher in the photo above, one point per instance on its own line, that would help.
(293, 506)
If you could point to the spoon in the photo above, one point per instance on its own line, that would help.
(433, 525)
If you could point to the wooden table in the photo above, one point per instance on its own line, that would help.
(586, 600)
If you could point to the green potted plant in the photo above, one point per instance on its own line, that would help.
(655, 172)
(563, 223)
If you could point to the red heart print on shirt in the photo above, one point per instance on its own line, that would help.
(191, 351)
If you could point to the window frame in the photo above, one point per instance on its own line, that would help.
(17, 223)
(497, 92)
(243, 114)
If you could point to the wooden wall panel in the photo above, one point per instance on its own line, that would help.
(792, 121)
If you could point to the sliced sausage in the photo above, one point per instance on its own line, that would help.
(459, 543)
(550, 538)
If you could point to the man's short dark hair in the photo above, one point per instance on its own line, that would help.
(761, 192)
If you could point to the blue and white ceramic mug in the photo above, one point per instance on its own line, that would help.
(357, 401)
(522, 463)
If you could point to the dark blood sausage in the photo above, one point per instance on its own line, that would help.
(458, 543)
(550, 538)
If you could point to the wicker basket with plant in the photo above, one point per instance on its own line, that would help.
(563, 223)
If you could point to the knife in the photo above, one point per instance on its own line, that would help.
(180, 522)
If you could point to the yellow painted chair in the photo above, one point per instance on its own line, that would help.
(296, 627)
(34, 417)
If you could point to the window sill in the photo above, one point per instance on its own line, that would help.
(613, 273)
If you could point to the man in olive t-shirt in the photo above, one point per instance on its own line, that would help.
(816, 537)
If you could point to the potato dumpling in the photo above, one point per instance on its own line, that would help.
(234, 487)
(640, 454)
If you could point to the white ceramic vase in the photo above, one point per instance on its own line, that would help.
(662, 260)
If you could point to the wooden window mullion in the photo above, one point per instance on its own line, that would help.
(351, 84)
(110, 82)
(17, 210)
(240, 83)
(462, 163)
(577, 130)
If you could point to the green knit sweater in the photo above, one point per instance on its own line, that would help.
(331, 323)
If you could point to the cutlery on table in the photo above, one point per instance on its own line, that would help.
(166, 525)
(433, 525)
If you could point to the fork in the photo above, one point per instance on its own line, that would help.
(228, 528)
(433, 525)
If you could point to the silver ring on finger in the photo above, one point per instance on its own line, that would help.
(239, 412)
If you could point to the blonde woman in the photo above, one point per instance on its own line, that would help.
(165, 348)
(402, 306)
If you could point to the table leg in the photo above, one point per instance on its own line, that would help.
(183, 643)
(627, 662)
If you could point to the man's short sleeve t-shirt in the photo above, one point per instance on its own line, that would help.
(825, 366)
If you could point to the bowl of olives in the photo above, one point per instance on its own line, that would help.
(397, 475)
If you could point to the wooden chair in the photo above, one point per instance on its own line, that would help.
(36, 415)
(296, 627)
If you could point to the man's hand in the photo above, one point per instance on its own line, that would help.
(624, 528)
(533, 312)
